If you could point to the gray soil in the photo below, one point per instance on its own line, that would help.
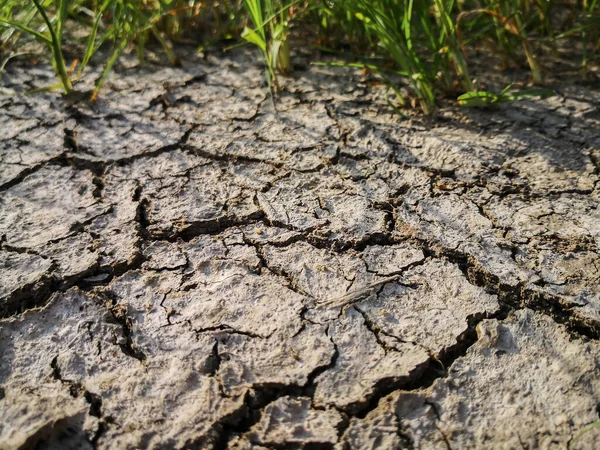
(184, 266)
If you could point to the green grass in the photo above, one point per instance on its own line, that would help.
(585, 430)
(425, 46)
(485, 99)
(52, 38)
(270, 19)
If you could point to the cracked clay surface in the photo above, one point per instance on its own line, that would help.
(184, 266)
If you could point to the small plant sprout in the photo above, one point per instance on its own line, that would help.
(508, 22)
(270, 35)
(583, 432)
(52, 38)
(487, 99)
(443, 10)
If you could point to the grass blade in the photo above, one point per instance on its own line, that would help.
(16, 25)
(107, 68)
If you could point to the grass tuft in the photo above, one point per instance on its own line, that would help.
(425, 44)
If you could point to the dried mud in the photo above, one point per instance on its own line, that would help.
(185, 266)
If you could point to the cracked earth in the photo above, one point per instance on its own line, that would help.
(183, 265)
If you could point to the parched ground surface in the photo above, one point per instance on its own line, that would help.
(183, 266)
